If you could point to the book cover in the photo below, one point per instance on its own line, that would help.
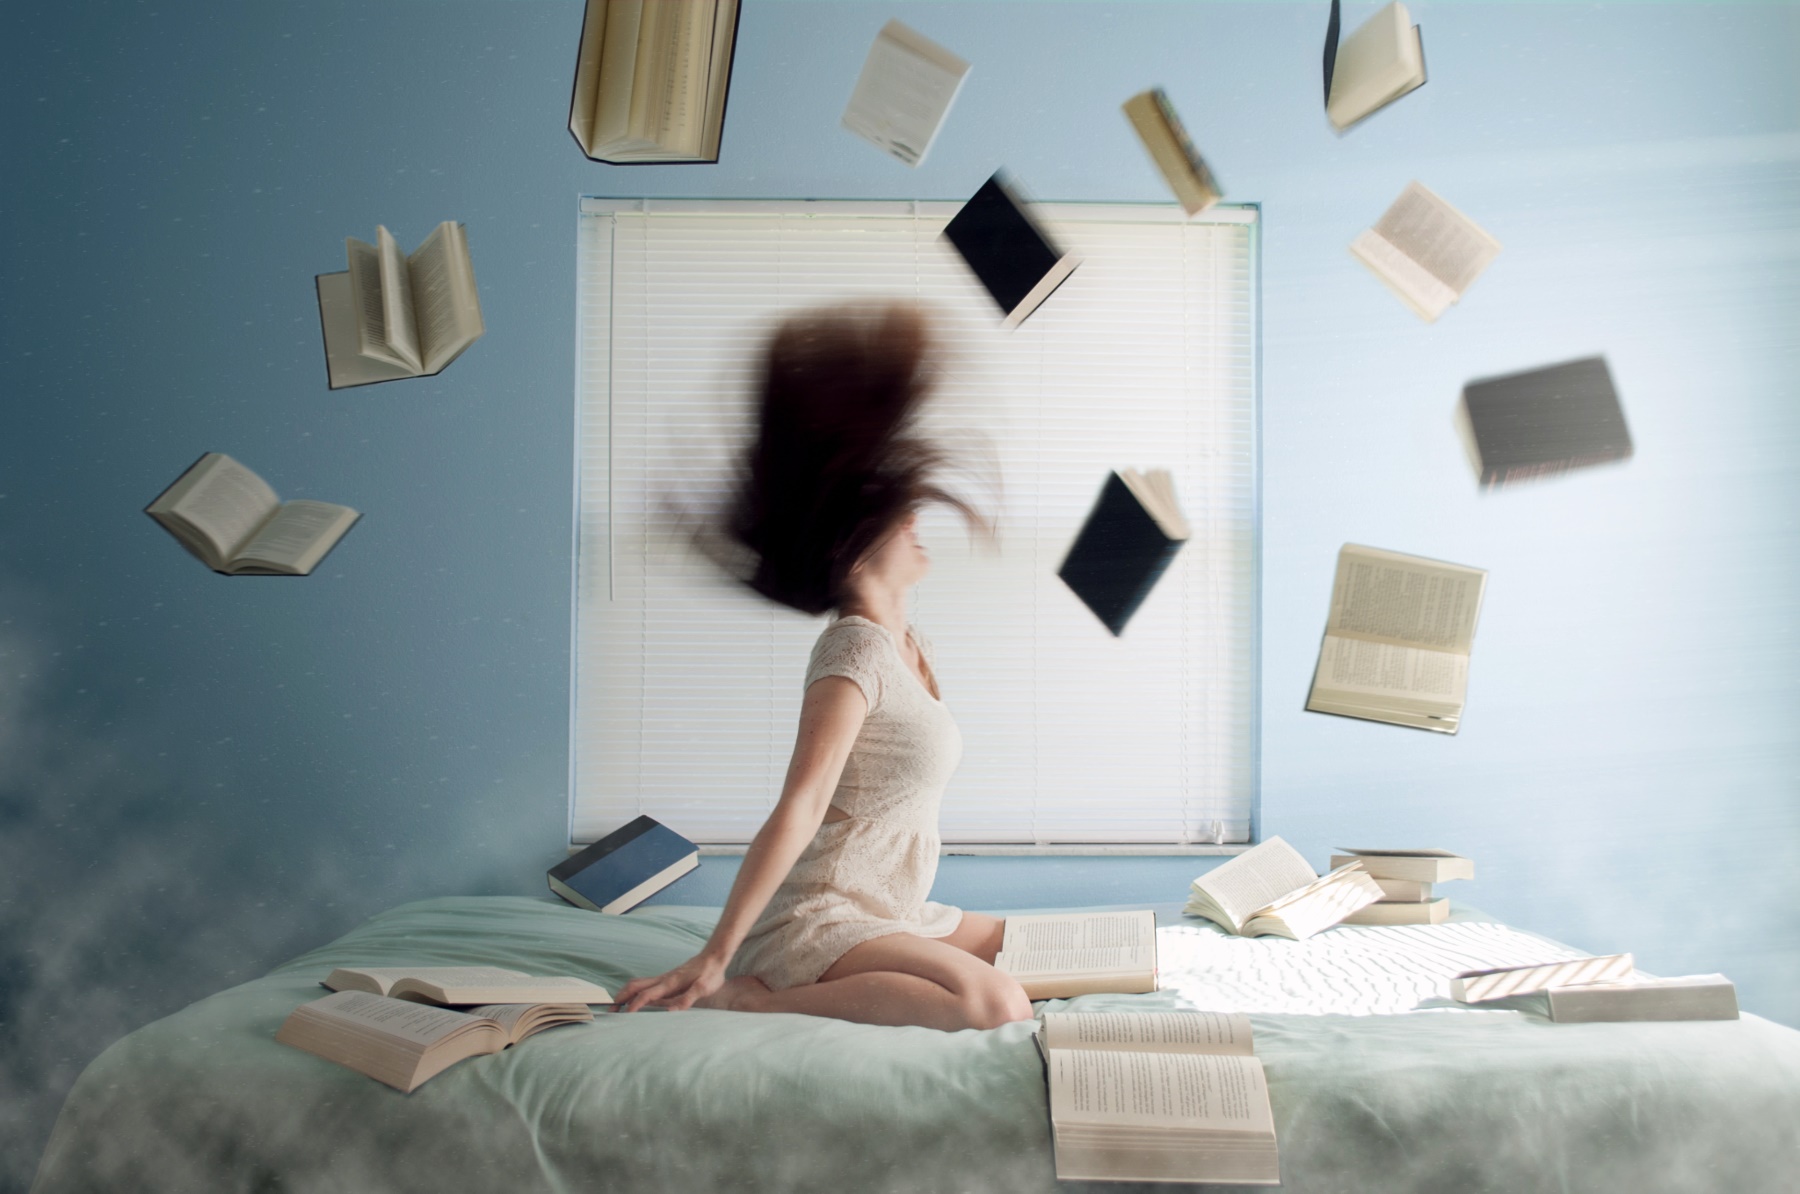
(1119, 555)
(1544, 421)
(624, 868)
(1009, 254)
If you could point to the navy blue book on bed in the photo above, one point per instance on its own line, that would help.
(624, 868)
(1125, 546)
(1009, 254)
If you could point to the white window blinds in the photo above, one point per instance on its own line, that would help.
(687, 687)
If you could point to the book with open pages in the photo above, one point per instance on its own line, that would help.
(1064, 954)
(230, 520)
(395, 315)
(1158, 1096)
(1269, 890)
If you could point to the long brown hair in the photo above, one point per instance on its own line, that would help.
(838, 460)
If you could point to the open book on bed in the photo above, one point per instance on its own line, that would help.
(1158, 1096)
(1066, 954)
(1269, 890)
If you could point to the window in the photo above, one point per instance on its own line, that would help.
(686, 686)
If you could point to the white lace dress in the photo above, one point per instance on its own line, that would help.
(867, 875)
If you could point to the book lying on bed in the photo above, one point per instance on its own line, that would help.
(1382, 61)
(464, 985)
(1127, 543)
(1008, 253)
(624, 868)
(231, 521)
(1425, 251)
(651, 79)
(1401, 912)
(1690, 997)
(403, 1043)
(1158, 1096)
(907, 85)
(1398, 639)
(394, 315)
(1065, 954)
(1269, 890)
(1423, 866)
(1473, 986)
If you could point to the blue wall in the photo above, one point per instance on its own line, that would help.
(200, 776)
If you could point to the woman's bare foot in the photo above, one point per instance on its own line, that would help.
(735, 995)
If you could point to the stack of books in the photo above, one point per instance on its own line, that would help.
(1408, 880)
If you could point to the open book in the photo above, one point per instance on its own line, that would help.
(464, 985)
(1065, 954)
(393, 315)
(651, 78)
(1126, 544)
(1426, 251)
(1158, 1096)
(1397, 643)
(1160, 129)
(904, 92)
(1382, 61)
(1269, 890)
(402, 1043)
(231, 520)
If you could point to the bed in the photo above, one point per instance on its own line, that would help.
(1377, 1082)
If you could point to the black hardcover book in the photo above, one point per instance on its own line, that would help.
(1543, 422)
(1007, 251)
(624, 868)
(1125, 546)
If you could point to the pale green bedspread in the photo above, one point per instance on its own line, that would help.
(1425, 1101)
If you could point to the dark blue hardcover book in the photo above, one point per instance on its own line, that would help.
(624, 868)
(1125, 546)
(1008, 252)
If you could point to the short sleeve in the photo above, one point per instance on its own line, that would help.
(854, 651)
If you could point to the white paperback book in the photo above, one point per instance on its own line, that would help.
(229, 519)
(1270, 890)
(904, 93)
(393, 315)
(1382, 61)
(1425, 251)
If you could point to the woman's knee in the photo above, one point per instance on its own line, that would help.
(997, 999)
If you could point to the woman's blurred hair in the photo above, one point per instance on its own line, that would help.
(838, 461)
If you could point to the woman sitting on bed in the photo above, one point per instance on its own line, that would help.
(828, 915)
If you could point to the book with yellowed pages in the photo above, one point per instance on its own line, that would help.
(1475, 986)
(1065, 954)
(651, 79)
(403, 1043)
(456, 985)
(1269, 890)
(1160, 129)
(1158, 1096)
(395, 315)
(1398, 639)
(1425, 251)
(230, 520)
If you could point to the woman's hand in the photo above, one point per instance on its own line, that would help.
(677, 990)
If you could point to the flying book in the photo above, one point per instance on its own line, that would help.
(1542, 422)
(1161, 131)
(1008, 253)
(1420, 867)
(907, 85)
(404, 1044)
(651, 77)
(1426, 251)
(1397, 643)
(1269, 890)
(230, 520)
(1474, 986)
(624, 868)
(1066, 954)
(1126, 544)
(1382, 61)
(458, 985)
(392, 315)
(1158, 1096)
(1691, 997)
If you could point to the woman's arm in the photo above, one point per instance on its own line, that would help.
(831, 716)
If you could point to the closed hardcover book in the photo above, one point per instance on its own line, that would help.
(1543, 422)
(1009, 254)
(624, 868)
(1125, 546)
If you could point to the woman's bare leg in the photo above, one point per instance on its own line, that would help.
(897, 979)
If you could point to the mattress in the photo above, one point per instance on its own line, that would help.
(1377, 1082)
